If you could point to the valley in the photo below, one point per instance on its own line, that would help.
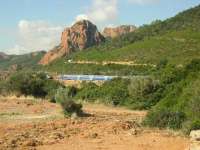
(103, 87)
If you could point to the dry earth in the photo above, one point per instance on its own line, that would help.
(27, 124)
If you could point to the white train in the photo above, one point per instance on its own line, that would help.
(86, 77)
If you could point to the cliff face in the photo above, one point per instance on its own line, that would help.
(118, 31)
(80, 36)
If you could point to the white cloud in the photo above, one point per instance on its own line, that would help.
(36, 36)
(81, 17)
(143, 2)
(17, 49)
(101, 11)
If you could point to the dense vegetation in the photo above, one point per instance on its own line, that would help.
(179, 98)
(134, 93)
(29, 83)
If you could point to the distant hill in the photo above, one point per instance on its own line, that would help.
(175, 40)
(3, 56)
(26, 60)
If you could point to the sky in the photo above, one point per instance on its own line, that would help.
(34, 25)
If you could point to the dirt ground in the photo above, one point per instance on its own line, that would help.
(27, 124)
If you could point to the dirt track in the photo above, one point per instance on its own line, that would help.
(106, 129)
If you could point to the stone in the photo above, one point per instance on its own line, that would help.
(118, 31)
(195, 135)
(195, 140)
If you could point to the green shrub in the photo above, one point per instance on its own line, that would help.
(165, 118)
(28, 83)
(31, 83)
(88, 92)
(179, 100)
(70, 107)
(64, 93)
(115, 91)
(63, 97)
(133, 93)
(195, 125)
(140, 87)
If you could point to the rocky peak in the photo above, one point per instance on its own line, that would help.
(118, 31)
(81, 35)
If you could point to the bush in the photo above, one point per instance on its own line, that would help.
(140, 87)
(195, 125)
(89, 92)
(179, 100)
(133, 93)
(70, 107)
(111, 92)
(115, 92)
(30, 83)
(165, 118)
(63, 96)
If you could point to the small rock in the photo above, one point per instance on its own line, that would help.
(56, 136)
(31, 143)
(133, 131)
(94, 135)
(1, 142)
(195, 135)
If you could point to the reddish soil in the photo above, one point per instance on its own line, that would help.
(26, 124)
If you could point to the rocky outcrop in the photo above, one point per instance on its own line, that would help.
(118, 31)
(80, 36)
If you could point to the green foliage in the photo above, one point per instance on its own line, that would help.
(195, 125)
(165, 118)
(115, 91)
(180, 94)
(141, 91)
(88, 92)
(70, 107)
(141, 86)
(133, 93)
(61, 66)
(111, 92)
(63, 96)
(30, 83)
